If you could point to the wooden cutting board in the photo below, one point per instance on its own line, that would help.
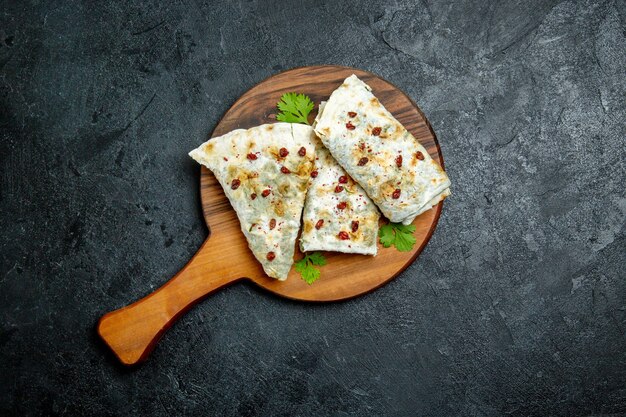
(132, 332)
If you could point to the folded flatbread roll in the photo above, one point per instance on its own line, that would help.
(379, 153)
(338, 216)
(264, 172)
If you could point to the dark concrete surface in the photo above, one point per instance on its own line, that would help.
(516, 307)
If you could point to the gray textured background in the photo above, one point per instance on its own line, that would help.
(517, 305)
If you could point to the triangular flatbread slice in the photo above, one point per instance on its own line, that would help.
(338, 216)
(379, 153)
(265, 172)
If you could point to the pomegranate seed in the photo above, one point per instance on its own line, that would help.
(271, 256)
(265, 193)
(376, 131)
(319, 224)
(302, 151)
(352, 114)
(342, 205)
(343, 179)
(272, 224)
(314, 174)
(338, 189)
(363, 161)
(235, 184)
(350, 126)
(399, 161)
(396, 194)
(283, 152)
(252, 156)
(419, 156)
(343, 235)
(285, 170)
(355, 225)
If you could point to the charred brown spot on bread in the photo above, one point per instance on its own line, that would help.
(273, 150)
(232, 170)
(284, 188)
(304, 168)
(279, 208)
(302, 186)
(387, 187)
(308, 226)
(270, 127)
(243, 174)
(374, 102)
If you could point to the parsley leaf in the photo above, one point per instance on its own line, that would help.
(305, 267)
(387, 237)
(317, 258)
(294, 108)
(399, 235)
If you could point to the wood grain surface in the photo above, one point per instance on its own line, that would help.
(132, 332)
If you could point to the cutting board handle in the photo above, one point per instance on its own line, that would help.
(133, 331)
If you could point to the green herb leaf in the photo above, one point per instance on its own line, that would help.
(306, 268)
(399, 235)
(295, 108)
(387, 236)
(317, 258)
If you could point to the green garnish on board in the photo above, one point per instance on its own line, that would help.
(306, 268)
(399, 235)
(294, 108)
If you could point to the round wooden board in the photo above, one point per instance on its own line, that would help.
(132, 331)
(345, 275)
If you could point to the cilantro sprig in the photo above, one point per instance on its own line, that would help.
(306, 268)
(294, 108)
(399, 235)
